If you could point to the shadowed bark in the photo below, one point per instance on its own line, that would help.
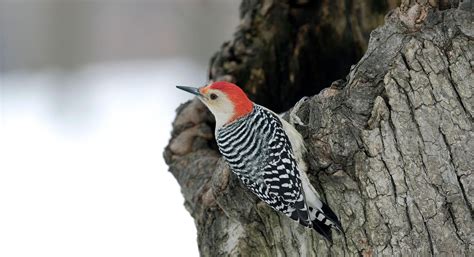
(390, 147)
(285, 49)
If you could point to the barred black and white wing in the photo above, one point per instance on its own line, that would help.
(259, 152)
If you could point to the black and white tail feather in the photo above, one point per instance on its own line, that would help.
(321, 216)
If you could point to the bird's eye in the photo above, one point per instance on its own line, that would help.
(213, 96)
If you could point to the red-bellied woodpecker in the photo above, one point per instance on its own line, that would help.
(266, 153)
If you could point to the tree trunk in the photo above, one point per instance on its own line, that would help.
(390, 148)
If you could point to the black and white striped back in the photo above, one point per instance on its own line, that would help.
(259, 152)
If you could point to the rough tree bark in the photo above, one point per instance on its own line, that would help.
(390, 148)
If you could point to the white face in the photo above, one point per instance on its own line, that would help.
(219, 104)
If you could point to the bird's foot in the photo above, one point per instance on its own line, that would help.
(294, 119)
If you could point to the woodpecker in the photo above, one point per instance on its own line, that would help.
(266, 153)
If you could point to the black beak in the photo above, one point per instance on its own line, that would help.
(192, 90)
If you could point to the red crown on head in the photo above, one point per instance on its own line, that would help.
(242, 104)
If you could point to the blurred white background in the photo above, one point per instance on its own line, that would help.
(87, 98)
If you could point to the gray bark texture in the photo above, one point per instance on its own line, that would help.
(391, 147)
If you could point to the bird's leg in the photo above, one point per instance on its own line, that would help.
(294, 119)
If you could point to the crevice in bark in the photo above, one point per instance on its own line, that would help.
(461, 186)
(407, 213)
(455, 89)
(453, 221)
(430, 240)
(427, 230)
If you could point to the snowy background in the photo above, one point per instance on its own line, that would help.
(87, 99)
